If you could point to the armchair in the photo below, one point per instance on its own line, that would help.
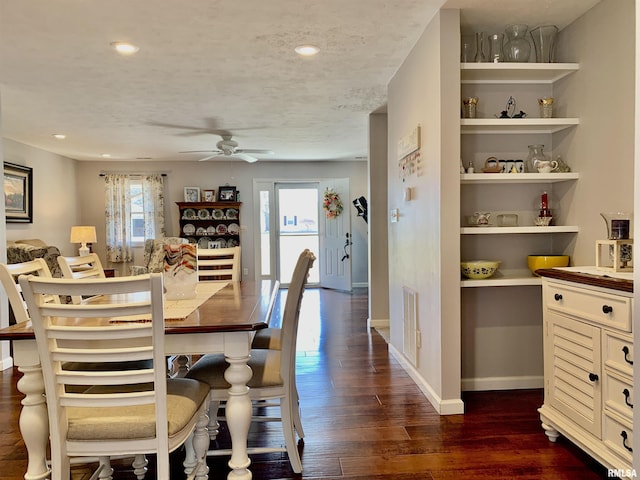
(154, 255)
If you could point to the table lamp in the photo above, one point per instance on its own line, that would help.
(83, 235)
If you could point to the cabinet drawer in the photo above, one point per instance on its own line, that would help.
(618, 436)
(591, 305)
(618, 394)
(618, 353)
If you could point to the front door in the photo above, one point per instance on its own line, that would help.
(335, 238)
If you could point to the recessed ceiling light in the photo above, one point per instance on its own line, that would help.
(124, 48)
(307, 50)
(106, 155)
(59, 136)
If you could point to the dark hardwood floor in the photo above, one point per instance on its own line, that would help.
(364, 418)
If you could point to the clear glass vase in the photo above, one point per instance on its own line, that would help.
(495, 47)
(535, 157)
(544, 42)
(480, 56)
(517, 48)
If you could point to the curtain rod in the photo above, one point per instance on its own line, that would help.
(102, 174)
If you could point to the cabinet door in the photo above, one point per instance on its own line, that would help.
(573, 359)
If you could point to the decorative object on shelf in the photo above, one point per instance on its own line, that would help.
(545, 211)
(462, 170)
(496, 54)
(562, 165)
(544, 42)
(492, 165)
(480, 57)
(537, 262)
(470, 106)
(510, 110)
(332, 204)
(480, 219)
(547, 166)
(180, 271)
(83, 234)
(517, 48)
(536, 156)
(191, 194)
(479, 269)
(208, 195)
(227, 193)
(467, 48)
(508, 220)
(546, 107)
(542, 221)
(470, 169)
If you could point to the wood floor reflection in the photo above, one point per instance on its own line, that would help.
(364, 418)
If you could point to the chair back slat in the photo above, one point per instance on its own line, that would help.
(219, 264)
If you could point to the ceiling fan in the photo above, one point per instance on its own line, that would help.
(227, 147)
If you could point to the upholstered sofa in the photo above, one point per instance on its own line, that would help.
(19, 251)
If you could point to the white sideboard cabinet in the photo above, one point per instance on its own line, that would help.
(588, 366)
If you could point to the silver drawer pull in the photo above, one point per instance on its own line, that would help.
(624, 436)
(625, 350)
(627, 394)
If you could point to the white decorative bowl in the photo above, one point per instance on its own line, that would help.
(479, 269)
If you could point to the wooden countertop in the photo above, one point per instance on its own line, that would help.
(601, 280)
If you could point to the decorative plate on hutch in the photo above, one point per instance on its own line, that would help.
(189, 214)
(232, 214)
(189, 229)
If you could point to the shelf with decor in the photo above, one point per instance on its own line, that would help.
(210, 224)
(488, 136)
(487, 178)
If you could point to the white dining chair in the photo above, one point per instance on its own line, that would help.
(273, 371)
(219, 264)
(9, 274)
(118, 412)
(83, 266)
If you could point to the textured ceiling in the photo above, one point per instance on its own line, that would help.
(207, 66)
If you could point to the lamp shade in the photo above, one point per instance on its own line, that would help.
(83, 234)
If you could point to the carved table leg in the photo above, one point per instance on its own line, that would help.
(238, 411)
(34, 423)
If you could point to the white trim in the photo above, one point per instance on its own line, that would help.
(360, 285)
(378, 323)
(6, 363)
(502, 383)
(443, 407)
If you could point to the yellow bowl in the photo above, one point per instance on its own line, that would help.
(479, 269)
(536, 262)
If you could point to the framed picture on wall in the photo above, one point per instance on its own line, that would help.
(227, 194)
(209, 195)
(191, 194)
(18, 194)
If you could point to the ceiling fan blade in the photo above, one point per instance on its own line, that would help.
(202, 151)
(254, 150)
(215, 155)
(245, 157)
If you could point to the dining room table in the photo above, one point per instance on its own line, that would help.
(222, 318)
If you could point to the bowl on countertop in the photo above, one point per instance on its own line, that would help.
(479, 269)
(536, 262)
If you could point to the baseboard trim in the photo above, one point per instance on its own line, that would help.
(378, 323)
(6, 363)
(443, 407)
(502, 383)
(359, 285)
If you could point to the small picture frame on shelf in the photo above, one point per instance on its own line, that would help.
(191, 194)
(227, 194)
(208, 195)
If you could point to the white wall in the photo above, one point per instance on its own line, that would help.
(210, 175)
(55, 205)
(424, 246)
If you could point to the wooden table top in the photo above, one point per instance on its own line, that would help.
(239, 306)
(603, 280)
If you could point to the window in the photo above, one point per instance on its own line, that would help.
(137, 211)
